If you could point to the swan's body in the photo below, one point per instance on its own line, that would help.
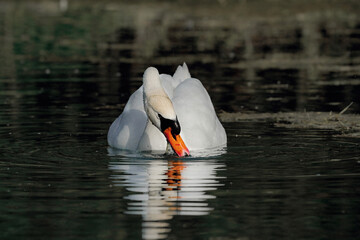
(181, 98)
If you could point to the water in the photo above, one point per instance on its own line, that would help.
(68, 68)
(270, 182)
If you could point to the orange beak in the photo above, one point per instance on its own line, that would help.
(176, 143)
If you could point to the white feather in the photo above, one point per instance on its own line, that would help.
(180, 96)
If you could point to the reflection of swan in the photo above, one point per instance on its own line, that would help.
(164, 108)
(161, 189)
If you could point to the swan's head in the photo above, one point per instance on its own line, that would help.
(160, 111)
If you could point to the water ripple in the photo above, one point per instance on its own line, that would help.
(159, 189)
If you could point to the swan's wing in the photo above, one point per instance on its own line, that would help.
(152, 139)
(200, 127)
(169, 83)
(126, 131)
(181, 73)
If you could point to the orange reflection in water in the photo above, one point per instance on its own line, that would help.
(174, 176)
(159, 189)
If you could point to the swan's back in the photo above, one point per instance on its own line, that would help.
(200, 126)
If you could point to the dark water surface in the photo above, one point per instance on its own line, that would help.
(68, 68)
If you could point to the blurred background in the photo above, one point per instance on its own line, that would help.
(257, 56)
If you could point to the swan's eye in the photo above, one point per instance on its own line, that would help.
(176, 128)
(173, 124)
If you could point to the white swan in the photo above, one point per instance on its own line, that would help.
(166, 110)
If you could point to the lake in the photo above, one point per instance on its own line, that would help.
(67, 69)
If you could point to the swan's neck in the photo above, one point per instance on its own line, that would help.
(156, 101)
(151, 82)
